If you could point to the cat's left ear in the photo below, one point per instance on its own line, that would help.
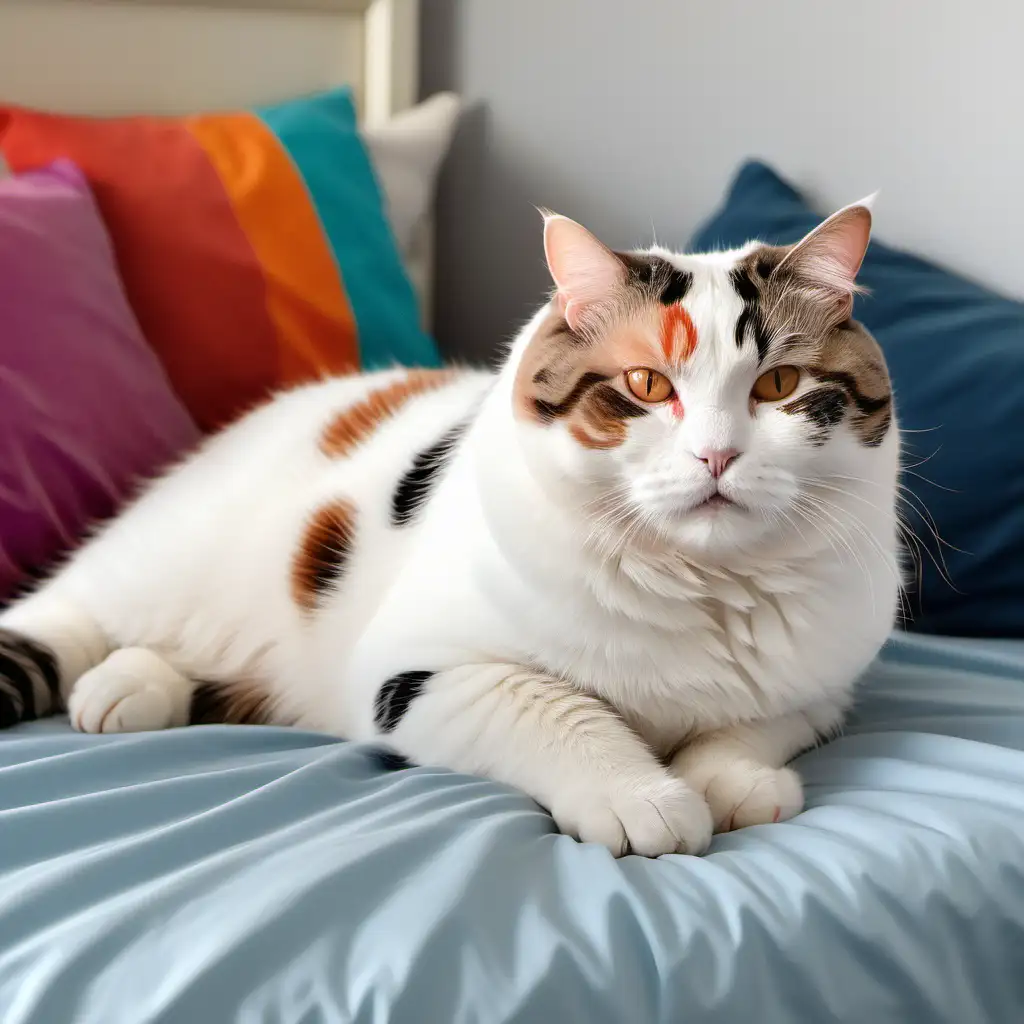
(829, 258)
(585, 271)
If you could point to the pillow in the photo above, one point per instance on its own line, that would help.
(407, 152)
(253, 246)
(956, 354)
(85, 407)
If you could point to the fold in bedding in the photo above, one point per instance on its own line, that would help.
(218, 874)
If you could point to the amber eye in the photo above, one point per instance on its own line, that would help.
(776, 384)
(649, 385)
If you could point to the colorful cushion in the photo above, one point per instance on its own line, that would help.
(956, 354)
(253, 246)
(85, 406)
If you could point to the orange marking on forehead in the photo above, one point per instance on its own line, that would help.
(675, 319)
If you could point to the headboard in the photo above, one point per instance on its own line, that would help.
(176, 56)
(180, 56)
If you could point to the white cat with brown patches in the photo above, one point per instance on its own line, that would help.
(633, 573)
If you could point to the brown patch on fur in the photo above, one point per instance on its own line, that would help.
(323, 553)
(578, 379)
(586, 440)
(802, 327)
(605, 412)
(234, 703)
(353, 425)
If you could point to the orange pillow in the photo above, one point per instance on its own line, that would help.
(253, 246)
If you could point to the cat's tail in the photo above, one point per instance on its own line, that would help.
(46, 644)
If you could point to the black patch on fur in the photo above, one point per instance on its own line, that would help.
(751, 317)
(824, 407)
(655, 274)
(676, 287)
(395, 697)
(548, 411)
(609, 402)
(764, 267)
(865, 405)
(206, 706)
(542, 376)
(418, 481)
(23, 663)
(389, 760)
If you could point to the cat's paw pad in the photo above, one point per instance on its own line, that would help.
(649, 816)
(132, 690)
(741, 791)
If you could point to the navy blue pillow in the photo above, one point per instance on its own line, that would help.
(956, 355)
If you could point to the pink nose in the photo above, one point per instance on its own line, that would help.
(717, 459)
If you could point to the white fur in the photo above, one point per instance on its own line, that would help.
(573, 655)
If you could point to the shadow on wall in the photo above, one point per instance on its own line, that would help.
(487, 207)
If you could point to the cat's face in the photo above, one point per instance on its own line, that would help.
(712, 398)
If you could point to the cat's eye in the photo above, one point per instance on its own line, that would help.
(648, 385)
(776, 384)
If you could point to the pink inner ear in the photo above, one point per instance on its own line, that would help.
(569, 309)
(832, 253)
(572, 313)
(585, 270)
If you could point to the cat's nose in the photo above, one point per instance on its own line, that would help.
(716, 459)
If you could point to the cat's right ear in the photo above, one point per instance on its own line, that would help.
(585, 270)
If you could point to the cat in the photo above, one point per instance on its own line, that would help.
(632, 573)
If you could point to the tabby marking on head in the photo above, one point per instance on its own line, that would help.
(675, 319)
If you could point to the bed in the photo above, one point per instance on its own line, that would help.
(257, 874)
(260, 874)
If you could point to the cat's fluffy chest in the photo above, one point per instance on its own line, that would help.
(727, 648)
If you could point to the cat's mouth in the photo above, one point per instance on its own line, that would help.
(711, 506)
(716, 501)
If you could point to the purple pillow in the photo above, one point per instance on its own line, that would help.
(85, 406)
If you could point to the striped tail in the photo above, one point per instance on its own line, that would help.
(29, 679)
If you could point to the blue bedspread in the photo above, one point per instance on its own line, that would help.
(212, 875)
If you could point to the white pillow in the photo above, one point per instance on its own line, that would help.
(407, 152)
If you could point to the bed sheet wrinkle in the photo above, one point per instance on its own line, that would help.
(268, 875)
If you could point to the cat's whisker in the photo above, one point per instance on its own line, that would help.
(847, 544)
(909, 496)
(931, 483)
(913, 549)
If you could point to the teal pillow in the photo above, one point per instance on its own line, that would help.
(956, 354)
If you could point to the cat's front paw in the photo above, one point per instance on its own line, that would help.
(132, 690)
(650, 816)
(740, 791)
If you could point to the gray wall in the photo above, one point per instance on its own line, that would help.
(630, 113)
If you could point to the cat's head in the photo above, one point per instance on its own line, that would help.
(710, 396)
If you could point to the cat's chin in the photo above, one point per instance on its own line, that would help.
(714, 528)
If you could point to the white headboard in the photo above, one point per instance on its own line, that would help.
(177, 56)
